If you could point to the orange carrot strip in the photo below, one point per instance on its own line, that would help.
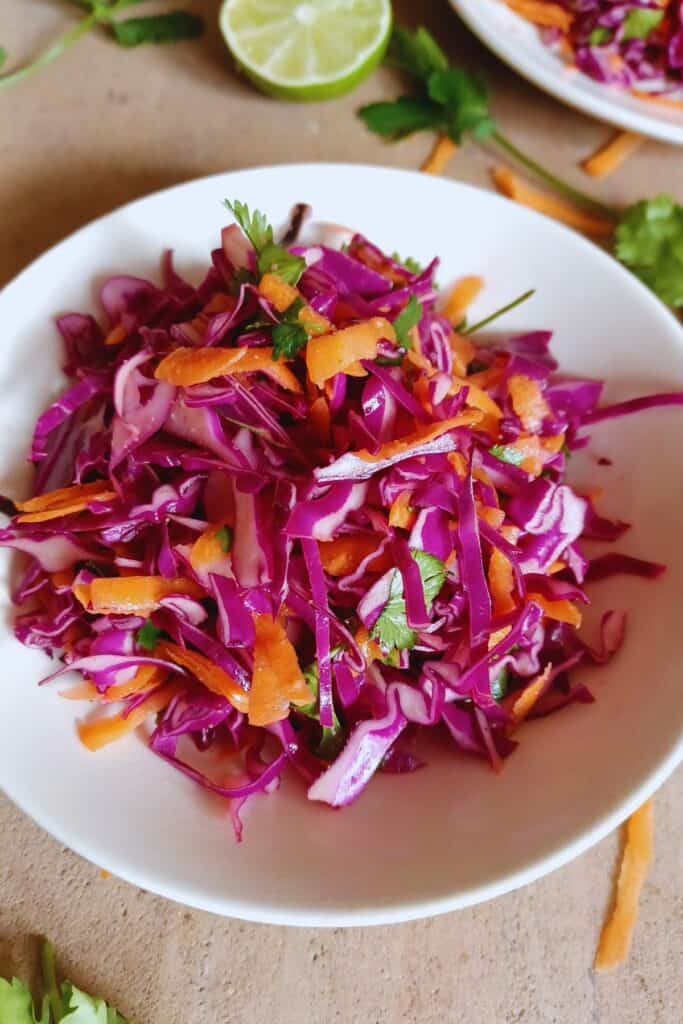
(493, 516)
(441, 153)
(552, 444)
(343, 555)
(65, 496)
(208, 674)
(528, 401)
(560, 611)
(422, 436)
(277, 680)
(63, 510)
(147, 677)
(462, 351)
(510, 185)
(341, 352)
(539, 12)
(187, 366)
(556, 567)
(401, 513)
(98, 733)
(531, 448)
(82, 691)
(62, 579)
(116, 335)
(497, 636)
(666, 101)
(501, 583)
(220, 303)
(477, 398)
(458, 463)
(281, 295)
(207, 549)
(462, 295)
(529, 696)
(610, 156)
(131, 594)
(319, 418)
(616, 936)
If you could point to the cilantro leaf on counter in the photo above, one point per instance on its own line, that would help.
(466, 99)
(394, 119)
(392, 629)
(157, 28)
(409, 317)
(649, 241)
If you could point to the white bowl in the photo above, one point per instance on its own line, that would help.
(519, 44)
(454, 833)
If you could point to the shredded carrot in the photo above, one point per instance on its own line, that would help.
(341, 352)
(560, 611)
(208, 674)
(666, 101)
(501, 582)
(510, 185)
(369, 648)
(529, 695)
(616, 935)
(557, 566)
(497, 636)
(540, 12)
(187, 366)
(611, 155)
(281, 295)
(220, 303)
(344, 554)
(422, 436)
(63, 501)
(457, 461)
(319, 418)
(462, 351)
(401, 512)
(552, 444)
(102, 731)
(63, 579)
(82, 691)
(127, 595)
(477, 398)
(441, 153)
(531, 448)
(277, 680)
(116, 335)
(493, 516)
(462, 295)
(207, 550)
(528, 401)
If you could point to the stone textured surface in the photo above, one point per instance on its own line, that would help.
(101, 127)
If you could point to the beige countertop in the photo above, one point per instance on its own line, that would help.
(103, 126)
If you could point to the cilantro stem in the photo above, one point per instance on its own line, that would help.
(552, 180)
(50, 981)
(499, 312)
(55, 50)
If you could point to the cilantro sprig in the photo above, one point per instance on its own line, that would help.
(270, 257)
(391, 629)
(452, 101)
(332, 738)
(649, 240)
(59, 1003)
(409, 317)
(154, 28)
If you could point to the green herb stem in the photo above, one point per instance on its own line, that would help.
(550, 179)
(55, 50)
(499, 312)
(50, 981)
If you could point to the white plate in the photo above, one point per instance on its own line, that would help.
(518, 43)
(454, 833)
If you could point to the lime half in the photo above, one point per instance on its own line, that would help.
(306, 49)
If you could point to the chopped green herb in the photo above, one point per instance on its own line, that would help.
(408, 318)
(288, 340)
(392, 629)
(332, 736)
(409, 263)
(291, 314)
(148, 636)
(599, 36)
(566, 450)
(396, 119)
(224, 536)
(639, 22)
(271, 258)
(499, 686)
(476, 366)
(499, 312)
(507, 454)
(465, 97)
(649, 240)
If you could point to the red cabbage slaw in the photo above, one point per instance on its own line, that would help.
(311, 558)
(637, 44)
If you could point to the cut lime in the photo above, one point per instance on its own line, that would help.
(306, 49)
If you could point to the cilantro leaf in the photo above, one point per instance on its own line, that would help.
(639, 22)
(599, 36)
(157, 28)
(16, 1004)
(332, 736)
(291, 314)
(409, 317)
(224, 536)
(271, 258)
(649, 240)
(416, 53)
(466, 100)
(409, 263)
(499, 686)
(288, 340)
(397, 118)
(274, 259)
(392, 629)
(507, 454)
(148, 636)
(255, 225)
(85, 1009)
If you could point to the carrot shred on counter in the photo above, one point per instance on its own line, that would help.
(462, 295)
(277, 680)
(341, 352)
(507, 182)
(403, 444)
(101, 731)
(211, 676)
(441, 153)
(540, 12)
(127, 595)
(610, 157)
(615, 938)
(344, 554)
(187, 366)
